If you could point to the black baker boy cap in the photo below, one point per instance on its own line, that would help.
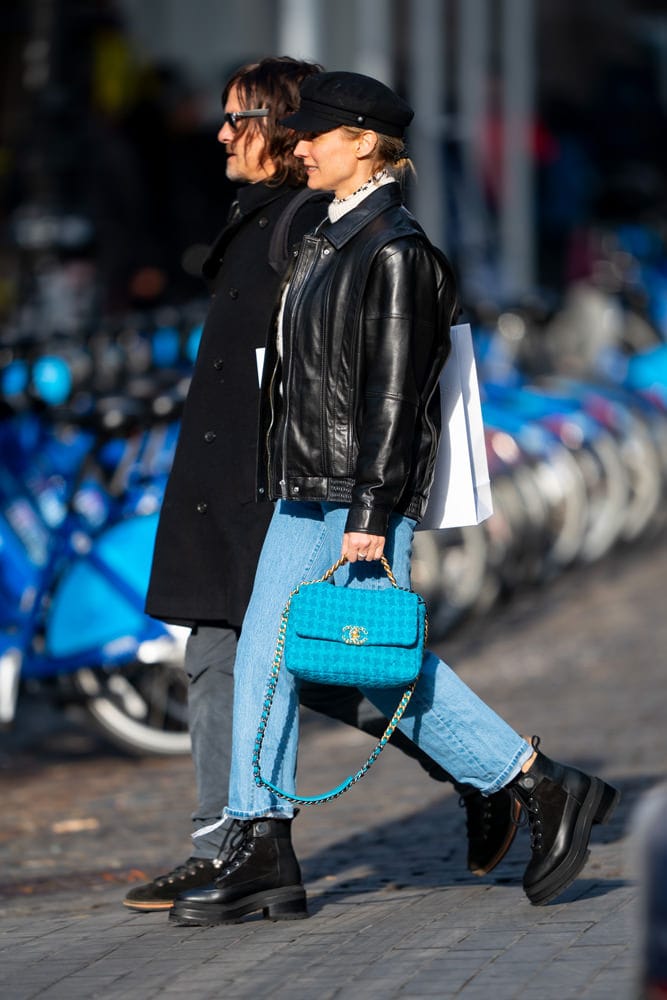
(332, 99)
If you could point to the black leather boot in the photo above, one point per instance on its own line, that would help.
(262, 874)
(491, 822)
(160, 893)
(562, 804)
(163, 890)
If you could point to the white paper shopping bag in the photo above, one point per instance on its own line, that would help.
(461, 490)
(259, 357)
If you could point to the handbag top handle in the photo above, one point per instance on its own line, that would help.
(341, 562)
(336, 566)
(336, 792)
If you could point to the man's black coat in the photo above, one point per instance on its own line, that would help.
(211, 529)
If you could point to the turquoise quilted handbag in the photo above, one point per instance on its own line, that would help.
(344, 635)
(351, 636)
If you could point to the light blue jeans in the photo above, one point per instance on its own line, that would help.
(445, 718)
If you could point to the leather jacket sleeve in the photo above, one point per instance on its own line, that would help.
(403, 336)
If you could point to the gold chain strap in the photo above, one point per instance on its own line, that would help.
(270, 692)
(341, 562)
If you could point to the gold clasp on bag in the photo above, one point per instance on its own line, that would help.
(358, 635)
(355, 635)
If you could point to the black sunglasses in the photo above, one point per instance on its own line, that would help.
(232, 117)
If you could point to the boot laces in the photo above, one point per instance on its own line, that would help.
(181, 871)
(236, 845)
(483, 825)
(534, 818)
(481, 813)
(530, 811)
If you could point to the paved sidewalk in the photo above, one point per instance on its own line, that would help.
(394, 912)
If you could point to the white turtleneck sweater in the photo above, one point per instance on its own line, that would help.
(341, 206)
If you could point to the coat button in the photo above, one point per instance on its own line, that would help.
(202, 508)
(210, 436)
(263, 222)
(295, 489)
(261, 491)
(326, 251)
(218, 364)
(233, 293)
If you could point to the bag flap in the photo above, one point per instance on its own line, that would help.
(356, 617)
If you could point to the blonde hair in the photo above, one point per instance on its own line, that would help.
(389, 154)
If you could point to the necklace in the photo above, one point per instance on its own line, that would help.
(375, 179)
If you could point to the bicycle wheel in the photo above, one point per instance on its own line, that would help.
(562, 485)
(140, 707)
(448, 569)
(608, 491)
(503, 534)
(642, 463)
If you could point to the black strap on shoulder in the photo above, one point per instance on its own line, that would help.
(279, 245)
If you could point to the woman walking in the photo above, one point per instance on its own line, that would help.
(348, 436)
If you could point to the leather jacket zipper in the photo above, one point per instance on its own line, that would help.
(270, 427)
(302, 272)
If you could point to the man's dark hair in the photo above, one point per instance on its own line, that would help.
(273, 83)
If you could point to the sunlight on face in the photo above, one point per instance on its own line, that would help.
(244, 146)
(334, 161)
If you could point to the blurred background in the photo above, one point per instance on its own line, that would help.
(540, 154)
(536, 123)
(539, 142)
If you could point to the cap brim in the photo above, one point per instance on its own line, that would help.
(308, 121)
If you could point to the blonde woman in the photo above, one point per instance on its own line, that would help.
(348, 437)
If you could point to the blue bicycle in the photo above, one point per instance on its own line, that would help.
(78, 515)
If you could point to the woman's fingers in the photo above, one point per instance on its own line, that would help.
(358, 546)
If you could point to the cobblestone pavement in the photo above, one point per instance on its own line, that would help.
(394, 912)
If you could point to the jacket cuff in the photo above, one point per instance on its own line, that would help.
(369, 520)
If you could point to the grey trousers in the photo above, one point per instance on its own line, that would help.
(209, 664)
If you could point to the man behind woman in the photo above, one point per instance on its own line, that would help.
(347, 444)
(210, 532)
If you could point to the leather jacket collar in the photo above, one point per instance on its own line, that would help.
(341, 232)
(368, 285)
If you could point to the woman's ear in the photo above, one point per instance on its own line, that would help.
(366, 143)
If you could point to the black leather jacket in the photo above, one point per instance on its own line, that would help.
(351, 414)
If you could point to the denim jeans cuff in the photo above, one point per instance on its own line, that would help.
(511, 771)
(286, 813)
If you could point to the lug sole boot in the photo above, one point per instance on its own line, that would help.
(562, 804)
(195, 873)
(262, 875)
(491, 822)
(163, 890)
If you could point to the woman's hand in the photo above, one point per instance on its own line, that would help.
(359, 545)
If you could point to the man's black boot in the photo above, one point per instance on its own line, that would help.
(491, 822)
(262, 874)
(163, 890)
(562, 804)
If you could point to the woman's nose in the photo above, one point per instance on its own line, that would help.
(301, 148)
